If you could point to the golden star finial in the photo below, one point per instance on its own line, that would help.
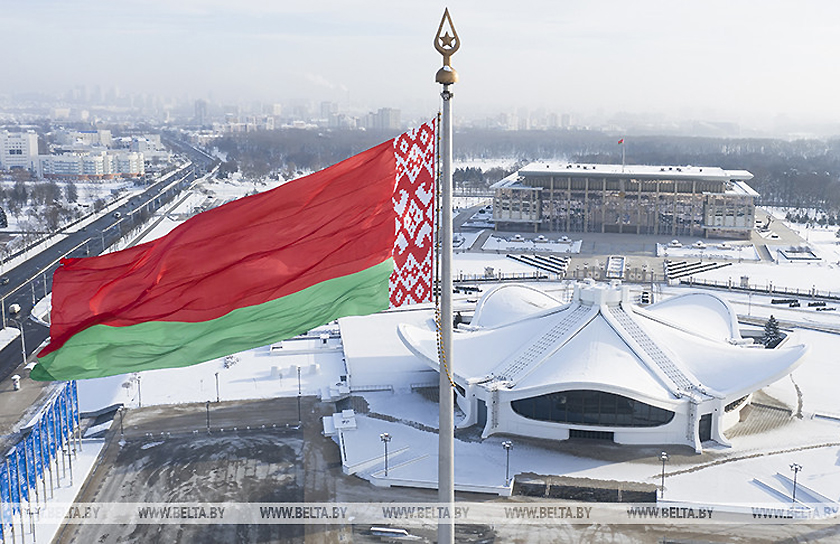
(447, 44)
(446, 40)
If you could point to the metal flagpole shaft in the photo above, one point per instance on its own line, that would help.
(447, 44)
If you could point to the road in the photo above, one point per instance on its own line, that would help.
(32, 280)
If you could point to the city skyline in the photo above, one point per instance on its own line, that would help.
(753, 63)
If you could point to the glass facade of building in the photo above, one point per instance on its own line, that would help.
(585, 407)
(673, 207)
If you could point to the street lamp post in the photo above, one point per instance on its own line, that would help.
(385, 438)
(795, 468)
(507, 445)
(207, 406)
(663, 457)
(22, 338)
(300, 419)
(218, 396)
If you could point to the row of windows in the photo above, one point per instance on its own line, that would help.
(591, 408)
(600, 184)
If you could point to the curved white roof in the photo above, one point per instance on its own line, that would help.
(509, 303)
(685, 347)
(703, 313)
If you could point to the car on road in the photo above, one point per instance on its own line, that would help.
(117, 215)
(4, 280)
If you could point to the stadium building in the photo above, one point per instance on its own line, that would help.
(600, 367)
(636, 199)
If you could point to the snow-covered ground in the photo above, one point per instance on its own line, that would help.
(727, 477)
(484, 164)
(475, 265)
(740, 252)
(512, 243)
(822, 275)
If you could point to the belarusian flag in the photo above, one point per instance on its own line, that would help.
(353, 239)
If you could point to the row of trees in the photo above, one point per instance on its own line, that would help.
(804, 173)
(39, 206)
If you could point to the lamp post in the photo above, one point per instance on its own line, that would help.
(300, 419)
(22, 338)
(218, 396)
(385, 438)
(507, 445)
(207, 407)
(122, 428)
(663, 457)
(795, 468)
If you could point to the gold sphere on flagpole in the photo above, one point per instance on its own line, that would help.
(447, 44)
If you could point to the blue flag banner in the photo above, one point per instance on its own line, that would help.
(23, 484)
(62, 417)
(38, 449)
(74, 395)
(6, 493)
(68, 410)
(13, 480)
(50, 419)
(29, 445)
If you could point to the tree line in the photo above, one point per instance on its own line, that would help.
(801, 173)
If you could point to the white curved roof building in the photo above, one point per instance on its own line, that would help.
(676, 372)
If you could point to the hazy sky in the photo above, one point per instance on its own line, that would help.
(710, 59)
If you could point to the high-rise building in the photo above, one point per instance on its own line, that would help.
(201, 112)
(328, 109)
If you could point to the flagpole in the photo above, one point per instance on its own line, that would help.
(446, 44)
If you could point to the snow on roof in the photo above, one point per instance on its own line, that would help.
(731, 371)
(701, 312)
(687, 346)
(374, 353)
(511, 302)
(596, 359)
(635, 171)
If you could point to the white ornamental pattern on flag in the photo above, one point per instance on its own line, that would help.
(414, 196)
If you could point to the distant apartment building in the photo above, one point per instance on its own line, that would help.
(19, 150)
(634, 199)
(92, 165)
(83, 138)
(251, 123)
(383, 119)
(150, 146)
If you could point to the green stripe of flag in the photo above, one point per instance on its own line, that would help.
(102, 350)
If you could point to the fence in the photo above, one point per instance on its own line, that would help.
(767, 288)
